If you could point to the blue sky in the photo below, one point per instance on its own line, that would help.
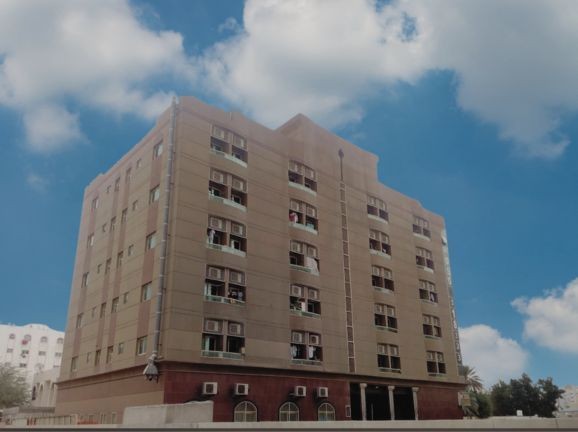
(468, 113)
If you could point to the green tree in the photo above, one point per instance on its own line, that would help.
(473, 381)
(522, 394)
(501, 397)
(13, 387)
(484, 405)
(549, 394)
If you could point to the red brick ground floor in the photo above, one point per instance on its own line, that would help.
(268, 395)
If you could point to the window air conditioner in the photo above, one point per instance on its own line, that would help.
(210, 388)
(241, 389)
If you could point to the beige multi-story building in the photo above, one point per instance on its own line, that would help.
(267, 270)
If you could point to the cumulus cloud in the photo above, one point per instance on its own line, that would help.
(552, 320)
(493, 356)
(96, 54)
(325, 57)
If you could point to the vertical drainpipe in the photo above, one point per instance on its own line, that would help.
(165, 238)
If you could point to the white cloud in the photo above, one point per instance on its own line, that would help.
(96, 54)
(37, 182)
(493, 356)
(323, 58)
(51, 127)
(552, 320)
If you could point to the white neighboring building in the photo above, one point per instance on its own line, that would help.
(44, 388)
(568, 403)
(30, 348)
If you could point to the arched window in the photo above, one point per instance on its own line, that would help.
(245, 412)
(12, 336)
(43, 339)
(59, 341)
(326, 412)
(289, 412)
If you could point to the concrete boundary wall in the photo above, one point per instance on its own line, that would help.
(495, 424)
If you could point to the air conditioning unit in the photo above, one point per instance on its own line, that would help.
(210, 388)
(300, 391)
(241, 389)
(322, 392)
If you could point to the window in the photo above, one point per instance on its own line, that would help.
(138, 163)
(84, 282)
(146, 292)
(245, 412)
(303, 214)
(388, 358)
(424, 258)
(141, 345)
(151, 241)
(432, 326)
(88, 357)
(306, 346)
(379, 242)
(135, 205)
(94, 204)
(223, 336)
(43, 339)
(304, 300)
(103, 228)
(123, 216)
(130, 250)
(125, 298)
(119, 258)
(90, 241)
(376, 208)
(102, 310)
(73, 364)
(107, 266)
(59, 341)
(58, 354)
(96, 357)
(117, 185)
(98, 268)
(9, 350)
(304, 257)
(120, 348)
(112, 224)
(289, 411)
(93, 312)
(128, 175)
(154, 194)
(225, 285)
(302, 177)
(435, 363)
(79, 320)
(421, 226)
(114, 305)
(109, 352)
(227, 235)
(158, 150)
(225, 142)
(384, 317)
(12, 336)
(427, 291)
(326, 412)
(381, 278)
(228, 187)
(108, 189)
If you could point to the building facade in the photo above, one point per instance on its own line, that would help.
(267, 270)
(30, 348)
(44, 388)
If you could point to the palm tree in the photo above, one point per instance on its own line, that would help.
(473, 381)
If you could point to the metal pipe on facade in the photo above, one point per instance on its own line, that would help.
(151, 370)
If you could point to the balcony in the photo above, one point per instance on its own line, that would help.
(229, 157)
(227, 249)
(222, 354)
(303, 227)
(302, 187)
